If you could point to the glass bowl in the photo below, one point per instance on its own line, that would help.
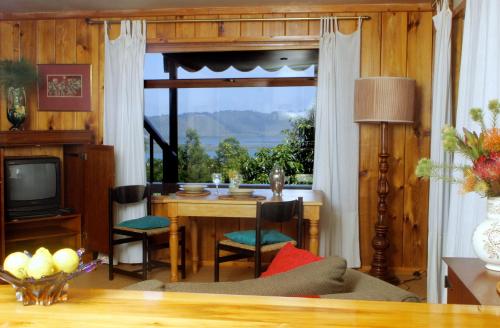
(49, 289)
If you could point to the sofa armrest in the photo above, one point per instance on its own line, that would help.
(361, 286)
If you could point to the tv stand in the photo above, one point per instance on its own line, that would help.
(87, 172)
(52, 232)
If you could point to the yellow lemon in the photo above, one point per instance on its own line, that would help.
(66, 260)
(16, 264)
(40, 265)
(44, 251)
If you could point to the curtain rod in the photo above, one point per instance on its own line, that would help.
(221, 20)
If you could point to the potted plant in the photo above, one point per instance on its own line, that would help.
(481, 175)
(15, 77)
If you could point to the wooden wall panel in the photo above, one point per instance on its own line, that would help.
(393, 43)
(393, 63)
(273, 28)
(368, 147)
(6, 52)
(28, 51)
(65, 33)
(46, 54)
(417, 142)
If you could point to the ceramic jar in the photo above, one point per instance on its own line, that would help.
(486, 237)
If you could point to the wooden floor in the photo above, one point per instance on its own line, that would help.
(99, 278)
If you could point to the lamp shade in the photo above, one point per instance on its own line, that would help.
(384, 99)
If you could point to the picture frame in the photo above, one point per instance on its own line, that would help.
(64, 87)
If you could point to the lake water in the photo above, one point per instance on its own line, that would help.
(252, 143)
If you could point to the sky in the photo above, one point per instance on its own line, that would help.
(289, 99)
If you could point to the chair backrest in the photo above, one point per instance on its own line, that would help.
(278, 212)
(129, 195)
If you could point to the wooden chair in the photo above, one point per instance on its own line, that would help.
(134, 194)
(272, 211)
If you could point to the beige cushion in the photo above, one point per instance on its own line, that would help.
(361, 286)
(322, 277)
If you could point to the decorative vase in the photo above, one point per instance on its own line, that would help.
(277, 180)
(486, 237)
(16, 107)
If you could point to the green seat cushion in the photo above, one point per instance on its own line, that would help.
(247, 237)
(146, 223)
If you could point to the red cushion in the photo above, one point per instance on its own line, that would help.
(289, 258)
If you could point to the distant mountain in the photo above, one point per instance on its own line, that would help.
(229, 123)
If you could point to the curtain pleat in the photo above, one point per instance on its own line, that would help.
(123, 118)
(439, 190)
(336, 153)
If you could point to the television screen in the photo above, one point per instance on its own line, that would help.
(32, 186)
(31, 181)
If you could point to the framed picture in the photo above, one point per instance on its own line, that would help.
(64, 87)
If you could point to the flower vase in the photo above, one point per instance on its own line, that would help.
(486, 237)
(16, 107)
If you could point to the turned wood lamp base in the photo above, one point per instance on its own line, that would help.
(380, 242)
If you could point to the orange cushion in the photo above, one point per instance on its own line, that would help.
(289, 258)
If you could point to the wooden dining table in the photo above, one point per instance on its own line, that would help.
(212, 206)
(126, 308)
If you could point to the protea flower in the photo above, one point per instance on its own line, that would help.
(488, 168)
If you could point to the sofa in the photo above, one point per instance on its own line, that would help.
(328, 278)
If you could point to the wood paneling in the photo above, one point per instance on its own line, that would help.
(368, 147)
(393, 63)
(417, 140)
(395, 41)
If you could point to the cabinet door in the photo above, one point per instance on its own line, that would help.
(89, 173)
(2, 210)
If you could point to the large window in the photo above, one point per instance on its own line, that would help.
(222, 116)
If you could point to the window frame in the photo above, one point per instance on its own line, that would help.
(170, 174)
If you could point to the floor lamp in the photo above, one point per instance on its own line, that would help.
(383, 100)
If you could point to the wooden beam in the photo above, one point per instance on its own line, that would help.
(231, 83)
(422, 6)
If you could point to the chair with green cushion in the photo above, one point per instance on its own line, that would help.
(251, 243)
(152, 231)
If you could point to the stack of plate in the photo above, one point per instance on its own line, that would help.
(240, 192)
(193, 188)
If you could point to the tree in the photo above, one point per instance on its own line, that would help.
(157, 170)
(194, 163)
(301, 140)
(230, 155)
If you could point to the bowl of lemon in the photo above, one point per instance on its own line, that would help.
(42, 278)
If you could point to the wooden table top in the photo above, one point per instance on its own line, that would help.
(310, 197)
(480, 281)
(123, 308)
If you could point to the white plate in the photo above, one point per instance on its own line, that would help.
(193, 187)
(241, 192)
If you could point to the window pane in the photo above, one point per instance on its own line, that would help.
(245, 130)
(153, 67)
(156, 110)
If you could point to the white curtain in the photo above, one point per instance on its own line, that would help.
(439, 192)
(337, 142)
(479, 83)
(124, 115)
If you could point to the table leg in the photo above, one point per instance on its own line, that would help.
(174, 248)
(194, 244)
(313, 237)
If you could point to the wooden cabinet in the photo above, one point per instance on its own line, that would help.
(51, 232)
(88, 174)
(469, 282)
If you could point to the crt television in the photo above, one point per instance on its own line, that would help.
(32, 186)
